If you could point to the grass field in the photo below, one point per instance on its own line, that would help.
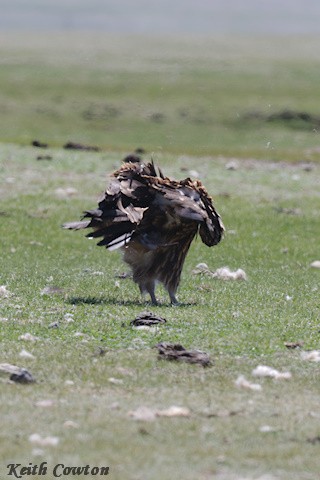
(269, 201)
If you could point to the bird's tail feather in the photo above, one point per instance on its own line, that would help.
(76, 225)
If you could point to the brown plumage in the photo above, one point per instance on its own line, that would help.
(153, 220)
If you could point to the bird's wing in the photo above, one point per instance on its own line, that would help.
(120, 209)
(190, 201)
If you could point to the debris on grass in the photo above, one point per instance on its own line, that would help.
(69, 383)
(314, 440)
(70, 424)
(147, 319)
(148, 414)
(54, 325)
(289, 211)
(223, 273)
(16, 374)
(174, 411)
(265, 371)
(51, 290)
(233, 164)
(293, 345)
(315, 264)
(4, 293)
(45, 403)
(194, 173)
(242, 382)
(312, 355)
(144, 414)
(176, 352)
(44, 157)
(266, 429)
(28, 337)
(80, 146)
(23, 376)
(35, 243)
(38, 144)
(25, 354)
(115, 381)
(68, 317)
(49, 441)
(221, 413)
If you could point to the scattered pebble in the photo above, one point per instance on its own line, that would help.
(232, 165)
(70, 424)
(4, 293)
(194, 173)
(79, 334)
(242, 382)
(68, 317)
(174, 411)
(28, 337)
(54, 325)
(25, 354)
(148, 414)
(315, 264)
(69, 383)
(38, 452)
(116, 381)
(45, 403)
(266, 429)
(145, 414)
(265, 371)
(312, 355)
(51, 290)
(37, 439)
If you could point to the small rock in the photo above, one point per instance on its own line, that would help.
(37, 439)
(242, 382)
(54, 325)
(25, 354)
(265, 371)
(28, 337)
(312, 355)
(45, 403)
(4, 293)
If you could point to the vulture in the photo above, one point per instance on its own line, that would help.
(153, 220)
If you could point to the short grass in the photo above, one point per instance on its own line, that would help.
(182, 95)
(271, 212)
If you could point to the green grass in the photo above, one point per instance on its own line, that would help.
(180, 95)
(194, 104)
(240, 324)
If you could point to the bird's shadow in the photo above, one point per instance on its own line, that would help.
(90, 300)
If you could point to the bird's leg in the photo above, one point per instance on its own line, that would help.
(149, 287)
(173, 298)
